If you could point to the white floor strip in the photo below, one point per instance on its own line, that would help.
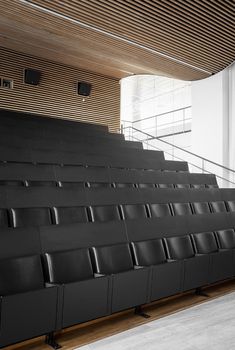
(208, 326)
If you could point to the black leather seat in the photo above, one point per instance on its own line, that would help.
(182, 185)
(134, 211)
(218, 207)
(12, 183)
(196, 267)
(146, 185)
(116, 261)
(22, 217)
(72, 184)
(28, 309)
(69, 215)
(165, 185)
(211, 186)
(231, 205)
(4, 220)
(226, 240)
(30, 183)
(166, 276)
(201, 208)
(181, 209)
(221, 265)
(198, 186)
(104, 213)
(99, 185)
(124, 185)
(159, 210)
(84, 296)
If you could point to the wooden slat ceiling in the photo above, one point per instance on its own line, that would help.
(185, 39)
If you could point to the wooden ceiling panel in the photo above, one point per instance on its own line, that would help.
(185, 39)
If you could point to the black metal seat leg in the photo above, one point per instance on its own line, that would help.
(139, 311)
(50, 340)
(199, 291)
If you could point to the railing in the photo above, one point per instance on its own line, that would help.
(225, 176)
(164, 124)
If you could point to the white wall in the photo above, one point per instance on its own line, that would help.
(213, 119)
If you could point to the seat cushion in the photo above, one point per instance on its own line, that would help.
(149, 252)
(20, 275)
(180, 247)
(68, 266)
(112, 259)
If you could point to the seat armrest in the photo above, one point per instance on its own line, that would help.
(97, 275)
(200, 254)
(137, 267)
(171, 260)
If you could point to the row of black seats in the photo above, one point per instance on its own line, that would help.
(39, 296)
(73, 184)
(22, 217)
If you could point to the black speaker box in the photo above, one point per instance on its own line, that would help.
(32, 76)
(84, 89)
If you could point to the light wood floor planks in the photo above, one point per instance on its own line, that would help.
(83, 334)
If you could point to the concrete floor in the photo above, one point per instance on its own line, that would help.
(208, 326)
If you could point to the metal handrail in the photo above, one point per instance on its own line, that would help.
(180, 148)
(157, 115)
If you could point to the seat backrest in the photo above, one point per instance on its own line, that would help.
(72, 184)
(181, 208)
(20, 275)
(218, 207)
(226, 238)
(68, 266)
(201, 207)
(149, 252)
(134, 211)
(99, 185)
(30, 183)
(179, 247)
(146, 185)
(159, 210)
(4, 219)
(112, 259)
(212, 186)
(205, 242)
(21, 217)
(165, 185)
(69, 215)
(124, 185)
(104, 213)
(231, 205)
(12, 183)
(182, 185)
(198, 186)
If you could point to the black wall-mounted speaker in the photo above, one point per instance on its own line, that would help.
(32, 76)
(84, 89)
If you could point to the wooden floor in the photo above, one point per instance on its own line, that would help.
(88, 332)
